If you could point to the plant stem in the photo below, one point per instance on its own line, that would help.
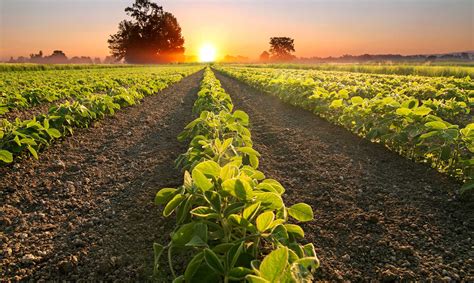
(170, 262)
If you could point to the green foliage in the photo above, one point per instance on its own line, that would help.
(228, 214)
(73, 82)
(428, 120)
(398, 69)
(18, 137)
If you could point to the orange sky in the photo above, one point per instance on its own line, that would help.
(320, 28)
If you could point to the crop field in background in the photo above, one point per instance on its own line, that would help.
(423, 118)
(271, 172)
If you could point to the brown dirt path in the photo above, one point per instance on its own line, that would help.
(85, 209)
(31, 112)
(378, 215)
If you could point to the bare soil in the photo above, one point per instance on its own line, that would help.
(29, 113)
(85, 209)
(378, 215)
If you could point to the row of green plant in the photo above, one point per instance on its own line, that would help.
(405, 124)
(22, 67)
(18, 137)
(229, 216)
(452, 99)
(28, 89)
(457, 71)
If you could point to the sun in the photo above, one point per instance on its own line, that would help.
(207, 53)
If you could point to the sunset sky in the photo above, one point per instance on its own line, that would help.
(320, 28)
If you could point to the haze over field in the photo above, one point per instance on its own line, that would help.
(320, 28)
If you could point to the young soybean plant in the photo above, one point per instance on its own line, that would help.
(232, 217)
(237, 223)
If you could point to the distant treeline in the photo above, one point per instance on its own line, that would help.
(59, 57)
(398, 69)
(451, 57)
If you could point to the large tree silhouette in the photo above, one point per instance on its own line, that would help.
(152, 36)
(281, 48)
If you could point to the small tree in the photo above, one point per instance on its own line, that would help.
(58, 57)
(265, 56)
(152, 35)
(281, 48)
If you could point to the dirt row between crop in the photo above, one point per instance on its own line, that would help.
(29, 113)
(378, 216)
(85, 209)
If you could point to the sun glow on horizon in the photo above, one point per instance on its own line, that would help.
(207, 53)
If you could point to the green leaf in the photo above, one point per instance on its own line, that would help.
(251, 210)
(254, 161)
(467, 131)
(16, 139)
(248, 150)
(238, 220)
(3, 110)
(32, 151)
(233, 254)
(437, 125)
(201, 181)
(343, 93)
(6, 156)
(196, 242)
(222, 248)
(271, 185)
(204, 212)
(337, 103)
(270, 200)
(264, 221)
(229, 171)
(28, 141)
(183, 235)
(223, 147)
(309, 250)
(422, 111)
(307, 262)
(193, 266)
(280, 234)
(402, 111)
(182, 212)
(213, 261)
(301, 212)
(239, 114)
(179, 279)
(429, 134)
(445, 153)
(238, 188)
(238, 273)
(54, 133)
(209, 168)
(295, 229)
(172, 204)
(357, 100)
(235, 207)
(274, 264)
(252, 172)
(188, 181)
(214, 199)
(46, 124)
(164, 195)
(256, 279)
